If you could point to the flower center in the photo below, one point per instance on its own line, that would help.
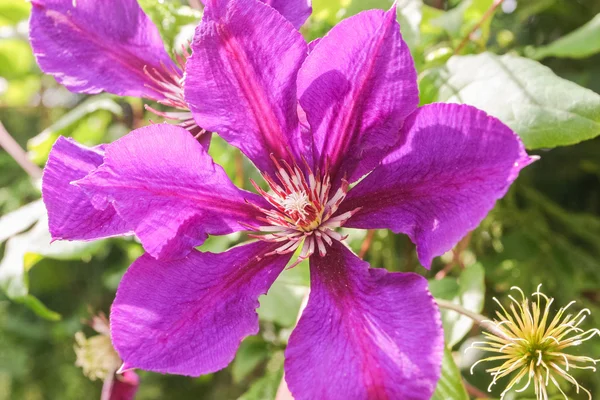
(302, 211)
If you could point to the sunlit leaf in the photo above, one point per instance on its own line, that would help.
(16, 58)
(410, 16)
(170, 18)
(26, 249)
(22, 92)
(13, 11)
(450, 385)
(460, 20)
(20, 219)
(545, 110)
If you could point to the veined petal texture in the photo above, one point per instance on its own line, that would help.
(91, 46)
(365, 334)
(164, 184)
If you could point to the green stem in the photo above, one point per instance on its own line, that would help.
(484, 17)
(479, 319)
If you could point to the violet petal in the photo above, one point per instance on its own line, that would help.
(455, 162)
(357, 86)
(295, 11)
(166, 186)
(189, 316)
(91, 46)
(71, 215)
(365, 334)
(241, 81)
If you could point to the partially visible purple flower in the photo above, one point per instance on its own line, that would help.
(92, 46)
(431, 172)
(122, 387)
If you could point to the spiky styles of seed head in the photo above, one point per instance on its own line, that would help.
(533, 346)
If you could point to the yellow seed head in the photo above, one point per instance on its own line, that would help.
(532, 346)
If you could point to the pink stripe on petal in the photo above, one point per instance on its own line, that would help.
(92, 46)
(295, 11)
(166, 186)
(241, 80)
(365, 334)
(357, 86)
(189, 316)
(454, 163)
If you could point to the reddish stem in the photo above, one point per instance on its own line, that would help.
(367, 243)
(484, 17)
(18, 154)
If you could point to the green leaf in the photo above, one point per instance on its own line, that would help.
(251, 353)
(282, 303)
(468, 291)
(13, 11)
(445, 288)
(13, 277)
(20, 219)
(16, 59)
(410, 15)
(266, 386)
(580, 43)
(450, 385)
(23, 251)
(35, 305)
(545, 110)
(170, 18)
(90, 120)
(460, 20)
(21, 92)
(333, 11)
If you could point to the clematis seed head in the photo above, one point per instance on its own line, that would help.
(534, 347)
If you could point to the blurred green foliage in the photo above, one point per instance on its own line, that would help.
(546, 230)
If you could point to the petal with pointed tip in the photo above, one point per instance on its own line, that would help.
(241, 81)
(91, 46)
(454, 163)
(164, 184)
(357, 86)
(295, 11)
(189, 316)
(365, 334)
(71, 215)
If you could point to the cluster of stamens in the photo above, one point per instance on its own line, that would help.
(302, 211)
(532, 345)
(95, 354)
(167, 82)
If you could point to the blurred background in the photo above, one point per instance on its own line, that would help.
(546, 230)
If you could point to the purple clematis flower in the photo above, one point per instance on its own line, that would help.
(314, 123)
(92, 46)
